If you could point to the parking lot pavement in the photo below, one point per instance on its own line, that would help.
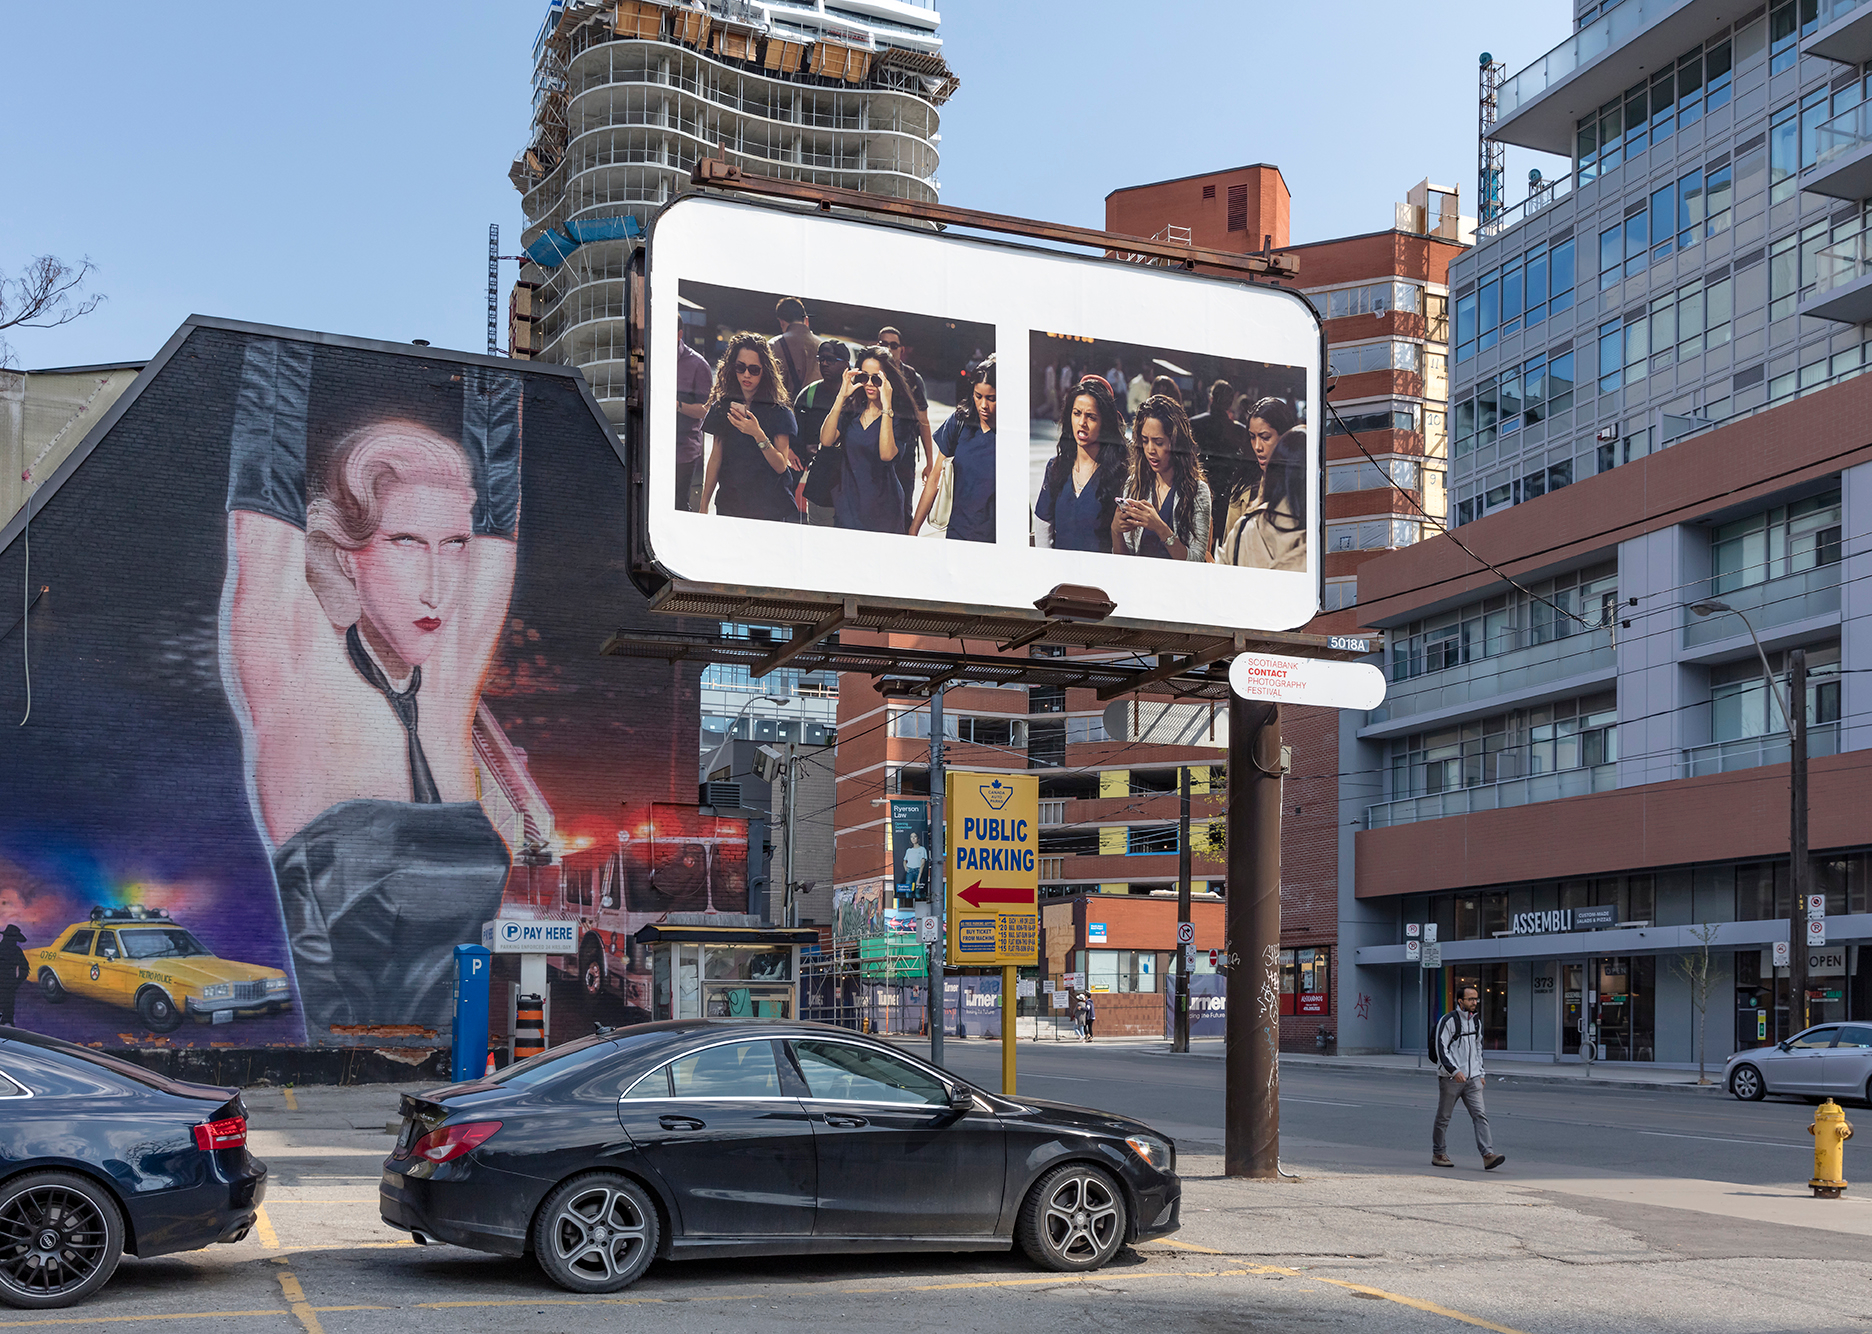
(1330, 1251)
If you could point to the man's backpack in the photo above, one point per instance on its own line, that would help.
(1436, 1057)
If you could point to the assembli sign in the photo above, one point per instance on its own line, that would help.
(1563, 919)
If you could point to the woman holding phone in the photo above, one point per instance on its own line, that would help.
(1079, 490)
(966, 443)
(873, 417)
(1271, 533)
(1165, 511)
(751, 470)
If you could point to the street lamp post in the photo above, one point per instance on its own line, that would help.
(1796, 721)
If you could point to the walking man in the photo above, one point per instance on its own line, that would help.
(1459, 1075)
(13, 969)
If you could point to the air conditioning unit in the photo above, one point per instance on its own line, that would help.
(722, 796)
(1607, 434)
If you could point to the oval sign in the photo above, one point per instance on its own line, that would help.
(1320, 682)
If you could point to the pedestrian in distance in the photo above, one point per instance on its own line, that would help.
(1460, 1076)
(1088, 1012)
(13, 969)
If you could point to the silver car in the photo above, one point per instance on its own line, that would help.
(1826, 1061)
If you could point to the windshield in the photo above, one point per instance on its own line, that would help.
(169, 942)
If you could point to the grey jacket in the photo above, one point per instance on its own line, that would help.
(1459, 1045)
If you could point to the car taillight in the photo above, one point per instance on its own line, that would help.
(229, 1133)
(450, 1142)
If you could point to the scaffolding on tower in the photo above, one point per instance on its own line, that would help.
(1491, 157)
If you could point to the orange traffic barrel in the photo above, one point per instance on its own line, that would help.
(529, 1036)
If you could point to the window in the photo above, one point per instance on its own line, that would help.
(1389, 354)
(1371, 299)
(732, 1070)
(1366, 475)
(1371, 535)
(1740, 706)
(1340, 594)
(1509, 622)
(1611, 356)
(1784, 154)
(107, 944)
(1524, 743)
(1306, 981)
(844, 1073)
(578, 885)
(80, 943)
(1120, 970)
(1775, 543)
(1787, 24)
(1397, 416)
(1649, 111)
(1793, 268)
(1142, 840)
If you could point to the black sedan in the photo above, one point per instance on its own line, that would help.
(710, 1137)
(99, 1157)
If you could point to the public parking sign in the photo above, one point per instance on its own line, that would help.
(994, 869)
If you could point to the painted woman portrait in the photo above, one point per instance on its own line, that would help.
(370, 564)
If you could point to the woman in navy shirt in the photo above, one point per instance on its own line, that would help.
(967, 442)
(1079, 492)
(751, 468)
(873, 417)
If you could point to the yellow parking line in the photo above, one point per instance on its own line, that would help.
(282, 1200)
(263, 1228)
(297, 1303)
(292, 1103)
(127, 1319)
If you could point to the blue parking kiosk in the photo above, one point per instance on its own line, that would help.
(473, 968)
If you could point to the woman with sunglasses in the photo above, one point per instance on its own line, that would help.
(751, 471)
(1165, 511)
(967, 444)
(872, 420)
(1079, 491)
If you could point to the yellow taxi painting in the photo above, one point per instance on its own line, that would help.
(140, 959)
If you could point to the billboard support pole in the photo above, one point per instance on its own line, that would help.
(939, 890)
(1252, 1070)
(1008, 1008)
(1180, 1038)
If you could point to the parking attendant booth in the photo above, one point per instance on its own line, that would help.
(724, 972)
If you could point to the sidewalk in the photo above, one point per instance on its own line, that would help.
(1500, 1066)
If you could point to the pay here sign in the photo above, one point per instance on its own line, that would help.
(993, 869)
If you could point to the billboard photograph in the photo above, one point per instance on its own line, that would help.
(770, 467)
(852, 416)
(315, 687)
(1166, 453)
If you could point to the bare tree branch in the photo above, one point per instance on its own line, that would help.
(44, 296)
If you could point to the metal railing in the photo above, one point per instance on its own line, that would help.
(1751, 752)
(1846, 133)
(1493, 796)
(1538, 200)
(1611, 29)
(1841, 263)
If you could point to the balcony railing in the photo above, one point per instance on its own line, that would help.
(1493, 796)
(1841, 263)
(1547, 194)
(1612, 29)
(1846, 133)
(1751, 752)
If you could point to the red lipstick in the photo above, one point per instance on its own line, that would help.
(429, 623)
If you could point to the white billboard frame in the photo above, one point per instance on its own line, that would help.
(1018, 290)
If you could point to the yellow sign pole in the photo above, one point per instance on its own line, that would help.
(1007, 1030)
(991, 846)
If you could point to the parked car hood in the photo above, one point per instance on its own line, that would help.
(1068, 1116)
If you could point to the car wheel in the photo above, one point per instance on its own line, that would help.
(1073, 1219)
(595, 1233)
(50, 990)
(158, 1012)
(60, 1239)
(1747, 1084)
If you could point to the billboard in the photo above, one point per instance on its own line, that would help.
(314, 692)
(825, 393)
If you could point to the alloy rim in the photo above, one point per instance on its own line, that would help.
(599, 1232)
(1745, 1080)
(51, 1240)
(1080, 1217)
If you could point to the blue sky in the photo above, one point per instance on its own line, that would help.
(335, 166)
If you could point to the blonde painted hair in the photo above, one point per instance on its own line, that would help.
(347, 504)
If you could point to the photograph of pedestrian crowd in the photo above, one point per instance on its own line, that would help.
(1174, 455)
(834, 415)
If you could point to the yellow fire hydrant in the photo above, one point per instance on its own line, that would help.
(1830, 1132)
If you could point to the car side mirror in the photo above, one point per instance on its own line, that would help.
(961, 1099)
(1786, 1044)
(110, 954)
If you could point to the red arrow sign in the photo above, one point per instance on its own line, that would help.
(975, 896)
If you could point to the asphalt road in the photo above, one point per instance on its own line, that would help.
(1350, 1120)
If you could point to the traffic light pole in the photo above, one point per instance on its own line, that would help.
(1799, 877)
(1180, 1039)
(1252, 1070)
